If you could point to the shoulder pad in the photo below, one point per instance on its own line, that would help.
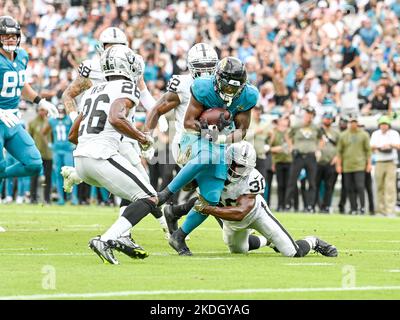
(252, 94)
(255, 183)
(85, 68)
(175, 83)
(22, 54)
(201, 88)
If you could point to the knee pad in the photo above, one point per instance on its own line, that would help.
(303, 248)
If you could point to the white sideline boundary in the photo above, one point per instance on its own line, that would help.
(190, 292)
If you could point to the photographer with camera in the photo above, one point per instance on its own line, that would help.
(384, 143)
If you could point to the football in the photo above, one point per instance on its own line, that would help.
(212, 116)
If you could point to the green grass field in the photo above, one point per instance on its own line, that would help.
(44, 255)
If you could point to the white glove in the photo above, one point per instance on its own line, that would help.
(163, 124)
(9, 118)
(51, 108)
(148, 154)
(146, 146)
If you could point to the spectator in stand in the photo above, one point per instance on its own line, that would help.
(385, 142)
(346, 96)
(350, 55)
(380, 102)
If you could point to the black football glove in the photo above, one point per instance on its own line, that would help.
(222, 123)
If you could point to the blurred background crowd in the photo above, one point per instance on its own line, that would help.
(339, 59)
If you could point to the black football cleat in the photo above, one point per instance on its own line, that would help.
(325, 248)
(179, 245)
(128, 246)
(103, 250)
(172, 221)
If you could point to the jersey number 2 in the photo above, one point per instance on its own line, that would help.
(100, 114)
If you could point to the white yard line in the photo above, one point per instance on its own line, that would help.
(310, 264)
(23, 249)
(192, 292)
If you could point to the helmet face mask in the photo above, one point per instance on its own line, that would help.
(241, 158)
(236, 171)
(119, 60)
(228, 89)
(230, 78)
(9, 27)
(202, 60)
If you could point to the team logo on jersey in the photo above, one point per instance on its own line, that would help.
(130, 58)
(240, 108)
(306, 132)
(24, 61)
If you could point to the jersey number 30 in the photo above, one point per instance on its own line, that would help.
(11, 83)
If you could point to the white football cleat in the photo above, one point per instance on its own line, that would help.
(70, 178)
(19, 200)
(8, 199)
(2, 229)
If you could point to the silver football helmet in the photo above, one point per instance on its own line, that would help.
(121, 60)
(202, 60)
(111, 35)
(241, 159)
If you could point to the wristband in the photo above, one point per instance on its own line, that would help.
(37, 99)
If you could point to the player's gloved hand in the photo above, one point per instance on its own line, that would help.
(149, 142)
(163, 124)
(200, 204)
(148, 154)
(222, 122)
(9, 118)
(51, 108)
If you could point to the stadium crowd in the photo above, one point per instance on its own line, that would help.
(321, 67)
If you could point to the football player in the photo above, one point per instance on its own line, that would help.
(90, 74)
(244, 209)
(62, 150)
(228, 89)
(13, 137)
(107, 110)
(202, 61)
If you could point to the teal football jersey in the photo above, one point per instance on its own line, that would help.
(60, 129)
(12, 79)
(203, 91)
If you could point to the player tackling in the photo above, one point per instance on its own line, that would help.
(244, 209)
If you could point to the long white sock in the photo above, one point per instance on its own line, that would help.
(263, 241)
(163, 223)
(121, 211)
(121, 226)
(312, 241)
